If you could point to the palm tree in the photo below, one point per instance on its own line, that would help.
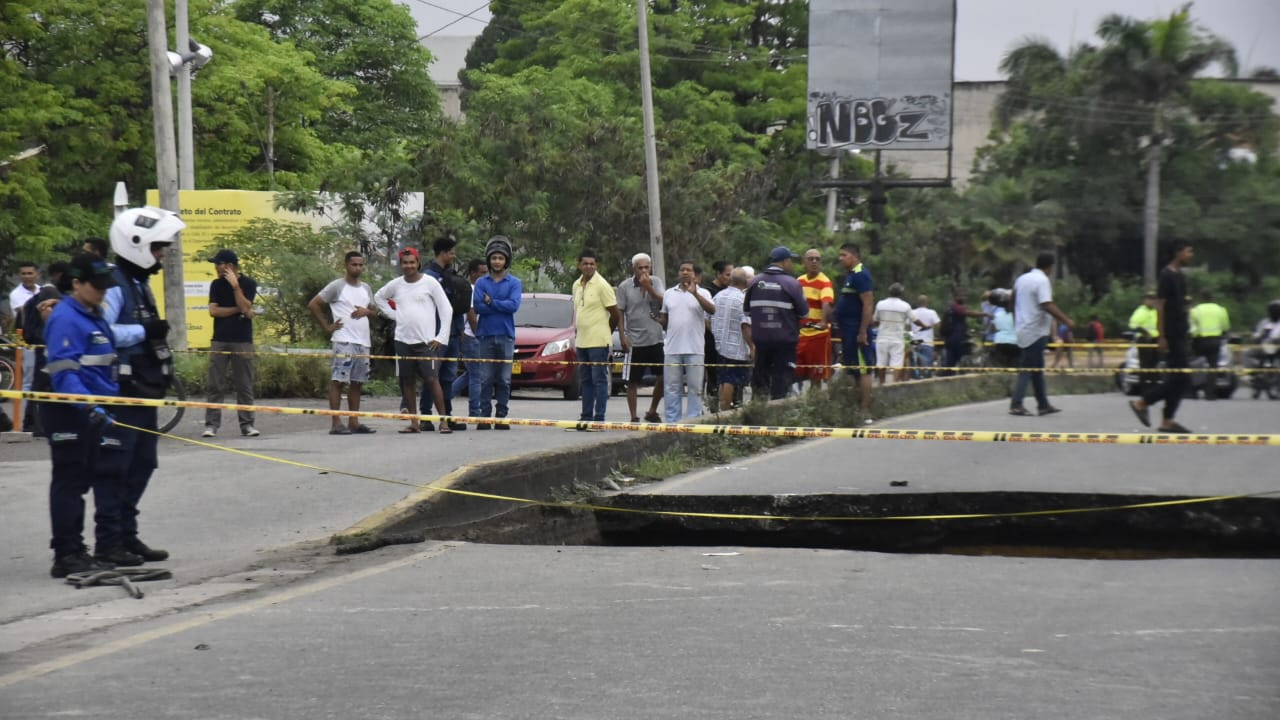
(1151, 65)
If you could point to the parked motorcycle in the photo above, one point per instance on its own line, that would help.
(1266, 357)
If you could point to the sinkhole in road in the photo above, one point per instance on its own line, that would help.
(994, 523)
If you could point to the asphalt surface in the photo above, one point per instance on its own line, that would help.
(259, 624)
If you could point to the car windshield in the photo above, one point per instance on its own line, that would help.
(545, 312)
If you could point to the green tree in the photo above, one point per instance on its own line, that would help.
(372, 45)
(291, 263)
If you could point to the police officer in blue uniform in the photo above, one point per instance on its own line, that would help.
(139, 237)
(84, 446)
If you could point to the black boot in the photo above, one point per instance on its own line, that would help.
(77, 562)
(149, 554)
(118, 556)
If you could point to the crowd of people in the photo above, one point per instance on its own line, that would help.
(98, 332)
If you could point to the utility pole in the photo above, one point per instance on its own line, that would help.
(166, 168)
(1151, 205)
(650, 146)
(186, 141)
(833, 193)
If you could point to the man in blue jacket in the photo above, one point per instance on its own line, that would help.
(494, 303)
(776, 304)
(85, 449)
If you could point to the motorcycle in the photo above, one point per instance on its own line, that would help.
(1266, 357)
(1219, 385)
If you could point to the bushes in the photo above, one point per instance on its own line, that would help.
(282, 376)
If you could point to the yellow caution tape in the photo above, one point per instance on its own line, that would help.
(1085, 438)
(709, 515)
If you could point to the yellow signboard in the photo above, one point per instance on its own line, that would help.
(209, 215)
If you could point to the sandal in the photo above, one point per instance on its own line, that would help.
(445, 429)
(363, 430)
(340, 430)
(412, 430)
(1144, 415)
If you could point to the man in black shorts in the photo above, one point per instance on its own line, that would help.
(639, 299)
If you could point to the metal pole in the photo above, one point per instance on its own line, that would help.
(166, 168)
(833, 194)
(650, 146)
(186, 142)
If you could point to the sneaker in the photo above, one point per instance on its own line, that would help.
(209, 432)
(427, 426)
(1048, 410)
(77, 562)
(868, 420)
(118, 556)
(249, 431)
(148, 554)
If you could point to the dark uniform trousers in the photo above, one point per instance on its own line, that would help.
(117, 500)
(82, 460)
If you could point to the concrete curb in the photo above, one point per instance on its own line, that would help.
(541, 476)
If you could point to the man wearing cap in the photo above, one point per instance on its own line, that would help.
(85, 447)
(231, 306)
(423, 316)
(494, 303)
(1145, 322)
(776, 304)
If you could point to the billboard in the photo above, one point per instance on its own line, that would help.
(210, 214)
(880, 74)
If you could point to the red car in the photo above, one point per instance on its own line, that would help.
(545, 339)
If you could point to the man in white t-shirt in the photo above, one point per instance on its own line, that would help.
(894, 318)
(923, 335)
(423, 317)
(685, 309)
(1033, 313)
(350, 301)
(28, 286)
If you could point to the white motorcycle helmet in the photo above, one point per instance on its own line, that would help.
(136, 229)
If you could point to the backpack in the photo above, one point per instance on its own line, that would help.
(943, 329)
(456, 288)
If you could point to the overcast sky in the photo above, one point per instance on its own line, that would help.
(986, 29)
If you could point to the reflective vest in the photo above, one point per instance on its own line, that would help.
(1209, 320)
(1145, 318)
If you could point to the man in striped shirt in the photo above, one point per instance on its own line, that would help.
(813, 353)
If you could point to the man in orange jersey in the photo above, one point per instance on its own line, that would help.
(813, 354)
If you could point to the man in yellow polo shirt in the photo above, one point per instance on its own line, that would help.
(597, 315)
(1209, 324)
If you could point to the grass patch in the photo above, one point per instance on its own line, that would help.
(835, 406)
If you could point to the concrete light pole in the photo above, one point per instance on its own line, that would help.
(175, 304)
(650, 146)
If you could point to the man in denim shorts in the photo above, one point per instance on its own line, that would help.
(350, 301)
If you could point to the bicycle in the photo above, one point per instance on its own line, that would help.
(168, 416)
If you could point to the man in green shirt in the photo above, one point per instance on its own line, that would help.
(1209, 325)
(1145, 321)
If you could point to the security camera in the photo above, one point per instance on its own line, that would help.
(200, 55)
